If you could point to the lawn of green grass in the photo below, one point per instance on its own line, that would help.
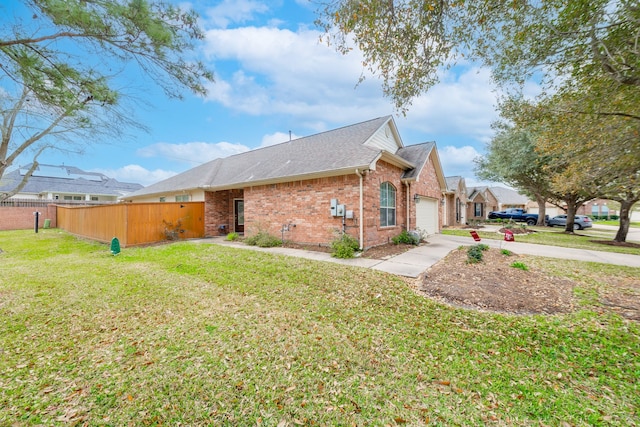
(615, 222)
(582, 239)
(200, 334)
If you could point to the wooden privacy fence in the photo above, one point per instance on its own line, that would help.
(134, 223)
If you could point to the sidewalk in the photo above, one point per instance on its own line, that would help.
(415, 261)
(551, 251)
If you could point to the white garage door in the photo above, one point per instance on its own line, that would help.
(427, 215)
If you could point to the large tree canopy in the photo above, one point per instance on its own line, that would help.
(597, 153)
(574, 154)
(57, 64)
(585, 53)
(76, 42)
(512, 159)
(406, 42)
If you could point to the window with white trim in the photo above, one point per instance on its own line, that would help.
(387, 204)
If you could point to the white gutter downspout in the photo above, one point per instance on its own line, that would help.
(408, 206)
(361, 210)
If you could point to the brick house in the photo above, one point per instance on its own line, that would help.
(480, 201)
(359, 179)
(455, 206)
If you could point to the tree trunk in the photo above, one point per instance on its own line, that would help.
(571, 215)
(542, 209)
(625, 221)
(573, 201)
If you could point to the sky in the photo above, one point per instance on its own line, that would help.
(273, 79)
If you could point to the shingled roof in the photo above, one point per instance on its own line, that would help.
(507, 196)
(453, 182)
(66, 179)
(331, 153)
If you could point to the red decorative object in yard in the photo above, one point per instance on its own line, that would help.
(508, 236)
(475, 236)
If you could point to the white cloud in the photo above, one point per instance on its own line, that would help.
(462, 104)
(458, 161)
(136, 174)
(279, 71)
(192, 152)
(234, 11)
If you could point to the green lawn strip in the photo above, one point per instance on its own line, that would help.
(615, 223)
(544, 236)
(203, 334)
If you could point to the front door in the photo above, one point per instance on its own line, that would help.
(238, 210)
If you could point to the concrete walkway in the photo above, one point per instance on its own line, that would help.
(415, 261)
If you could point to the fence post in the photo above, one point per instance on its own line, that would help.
(36, 214)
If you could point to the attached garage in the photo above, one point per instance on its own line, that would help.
(427, 215)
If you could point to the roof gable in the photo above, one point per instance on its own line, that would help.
(386, 138)
(477, 193)
(420, 155)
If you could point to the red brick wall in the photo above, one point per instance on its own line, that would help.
(218, 210)
(374, 234)
(303, 203)
(20, 218)
(490, 204)
(306, 204)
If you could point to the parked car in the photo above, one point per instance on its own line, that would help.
(579, 222)
(516, 214)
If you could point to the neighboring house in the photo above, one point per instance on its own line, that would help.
(455, 206)
(360, 179)
(508, 198)
(65, 183)
(480, 201)
(599, 208)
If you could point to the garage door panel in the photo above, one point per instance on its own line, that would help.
(427, 215)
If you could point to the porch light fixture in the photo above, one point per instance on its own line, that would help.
(416, 198)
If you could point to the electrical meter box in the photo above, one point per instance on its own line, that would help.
(334, 207)
(340, 211)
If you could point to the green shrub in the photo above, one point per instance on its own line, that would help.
(506, 252)
(344, 246)
(232, 236)
(520, 265)
(474, 253)
(263, 240)
(406, 238)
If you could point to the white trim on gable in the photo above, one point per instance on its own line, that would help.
(386, 138)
